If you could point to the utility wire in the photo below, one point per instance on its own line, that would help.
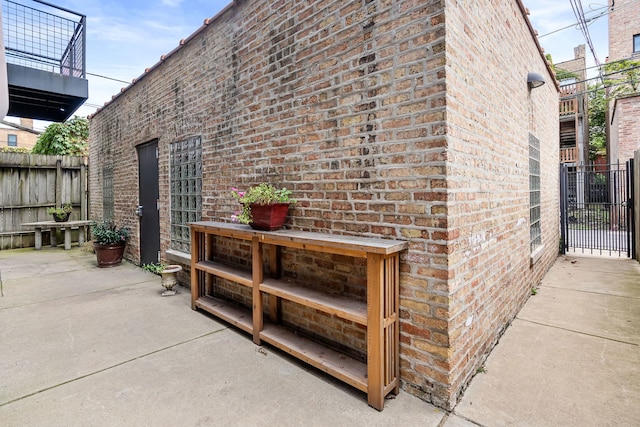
(613, 73)
(599, 88)
(606, 11)
(108, 78)
(576, 24)
(584, 28)
(589, 68)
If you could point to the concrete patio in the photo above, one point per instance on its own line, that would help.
(100, 347)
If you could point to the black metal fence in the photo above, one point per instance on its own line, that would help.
(44, 36)
(596, 206)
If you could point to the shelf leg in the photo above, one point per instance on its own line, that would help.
(394, 281)
(195, 255)
(208, 290)
(375, 332)
(258, 276)
(275, 273)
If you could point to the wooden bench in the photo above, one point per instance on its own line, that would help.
(380, 375)
(41, 226)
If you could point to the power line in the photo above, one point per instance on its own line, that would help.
(576, 24)
(606, 10)
(584, 28)
(558, 67)
(596, 89)
(108, 78)
(603, 76)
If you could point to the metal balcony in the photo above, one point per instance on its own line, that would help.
(45, 54)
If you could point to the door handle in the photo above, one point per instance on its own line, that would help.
(139, 211)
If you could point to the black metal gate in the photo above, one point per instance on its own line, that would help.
(596, 209)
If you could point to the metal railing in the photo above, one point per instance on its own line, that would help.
(596, 207)
(45, 37)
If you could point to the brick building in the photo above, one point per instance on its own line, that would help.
(624, 44)
(574, 121)
(403, 120)
(18, 135)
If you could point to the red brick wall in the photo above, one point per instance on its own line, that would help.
(490, 112)
(625, 127)
(624, 23)
(386, 119)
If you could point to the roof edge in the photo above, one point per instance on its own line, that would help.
(534, 33)
(206, 23)
(209, 21)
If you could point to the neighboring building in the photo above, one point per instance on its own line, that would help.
(574, 117)
(16, 135)
(410, 122)
(574, 120)
(624, 111)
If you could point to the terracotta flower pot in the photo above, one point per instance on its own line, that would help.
(109, 255)
(268, 217)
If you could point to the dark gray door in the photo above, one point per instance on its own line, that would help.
(148, 202)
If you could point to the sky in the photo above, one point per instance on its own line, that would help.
(126, 36)
(558, 34)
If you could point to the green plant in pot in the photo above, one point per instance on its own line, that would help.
(264, 207)
(109, 241)
(168, 272)
(60, 214)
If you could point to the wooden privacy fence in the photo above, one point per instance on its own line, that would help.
(31, 183)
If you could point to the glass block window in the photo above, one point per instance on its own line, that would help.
(12, 140)
(186, 190)
(107, 192)
(534, 192)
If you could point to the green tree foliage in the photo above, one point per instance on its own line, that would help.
(597, 120)
(68, 138)
(622, 77)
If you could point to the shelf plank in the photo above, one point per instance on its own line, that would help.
(341, 366)
(231, 273)
(323, 242)
(227, 312)
(350, 309)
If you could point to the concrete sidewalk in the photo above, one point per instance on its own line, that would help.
(571, 357)
(100, 347)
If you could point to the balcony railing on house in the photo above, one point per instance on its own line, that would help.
(568, 99)
(568, 90)
(45, 52)
(568, 106)
(569, 155)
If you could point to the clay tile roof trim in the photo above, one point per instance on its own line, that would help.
(164, 57)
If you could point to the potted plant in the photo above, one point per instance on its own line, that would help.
(60, 214)
(264, 207)
(109, 242)
(168, 272)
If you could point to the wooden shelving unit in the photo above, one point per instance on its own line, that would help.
(380, 375)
